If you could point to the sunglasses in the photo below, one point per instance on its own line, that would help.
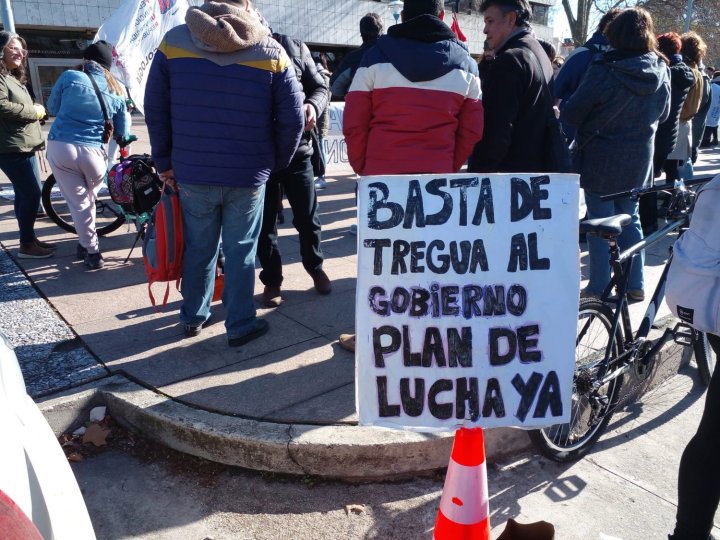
(17, 50)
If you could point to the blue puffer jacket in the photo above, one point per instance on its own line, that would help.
(222, 118)
(74, 103)
(616, 111)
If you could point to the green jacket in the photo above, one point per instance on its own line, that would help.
(19, 126)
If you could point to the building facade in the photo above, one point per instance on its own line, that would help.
(57, 31)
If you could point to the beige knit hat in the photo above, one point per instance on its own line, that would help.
(224, 27)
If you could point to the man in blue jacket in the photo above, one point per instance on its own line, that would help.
(223, 108)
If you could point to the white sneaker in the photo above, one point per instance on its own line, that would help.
(320, 182)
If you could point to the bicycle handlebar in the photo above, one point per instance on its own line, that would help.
(637, 192)
(125, 141)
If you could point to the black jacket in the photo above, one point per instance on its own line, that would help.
(516, 109)
(681, 79)
(312, 82)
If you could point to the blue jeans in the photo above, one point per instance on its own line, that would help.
(208, 213)
(21, 169)
(599, 251)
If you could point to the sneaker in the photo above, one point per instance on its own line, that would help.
(33, 251)
(637, 295)
(45, 245)
(94, 261)
(261, 328)
(347, 342)
(321, 281)
(81, 253)
(192, 330)
(271, 297)
(320, 182)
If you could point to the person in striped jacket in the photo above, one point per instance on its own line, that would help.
(414, 106)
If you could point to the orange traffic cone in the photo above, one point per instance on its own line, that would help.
(464, 507)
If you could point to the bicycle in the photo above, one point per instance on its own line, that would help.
(606, 347)
(109, 216)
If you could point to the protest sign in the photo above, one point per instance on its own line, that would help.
(467, 300)
(136, 29)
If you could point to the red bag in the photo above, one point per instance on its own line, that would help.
(163, 244)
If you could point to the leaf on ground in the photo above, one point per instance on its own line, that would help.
(96, 434)
(354, 509)
(75, 457)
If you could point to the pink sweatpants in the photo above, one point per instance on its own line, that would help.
(79, 171)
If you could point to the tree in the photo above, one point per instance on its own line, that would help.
(669, 16)
(587, 14)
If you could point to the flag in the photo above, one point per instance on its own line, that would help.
(455, 27)
(136, 29)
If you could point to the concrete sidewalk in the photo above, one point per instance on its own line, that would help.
(284, 403)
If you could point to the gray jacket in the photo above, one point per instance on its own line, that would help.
(616, 110)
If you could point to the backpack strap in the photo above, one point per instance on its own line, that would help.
(165, 296)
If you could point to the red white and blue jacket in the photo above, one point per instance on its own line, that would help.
(414, 105)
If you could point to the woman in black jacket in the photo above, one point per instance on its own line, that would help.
(681, 80)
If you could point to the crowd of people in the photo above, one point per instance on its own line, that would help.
(236, 114)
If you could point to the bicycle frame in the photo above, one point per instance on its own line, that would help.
(621, 264)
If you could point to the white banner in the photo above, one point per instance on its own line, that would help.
(335, 147)
(467, 300)
(136, 29)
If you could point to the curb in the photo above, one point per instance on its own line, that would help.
(349, 453)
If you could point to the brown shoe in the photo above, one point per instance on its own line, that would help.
(33, 251)
(45, 245)
(271, 297)
(540, 530)
(347, 342)
(637, 295)
(321, 281)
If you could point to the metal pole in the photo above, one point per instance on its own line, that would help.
(688, 15)
(7, 16)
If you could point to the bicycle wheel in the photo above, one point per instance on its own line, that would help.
(704, 356)
(108, 216)
(591, 406)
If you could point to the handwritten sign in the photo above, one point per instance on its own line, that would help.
(467, 299)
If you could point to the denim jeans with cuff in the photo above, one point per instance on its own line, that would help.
(209, 213)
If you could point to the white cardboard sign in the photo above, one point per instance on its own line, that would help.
(467, 299)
